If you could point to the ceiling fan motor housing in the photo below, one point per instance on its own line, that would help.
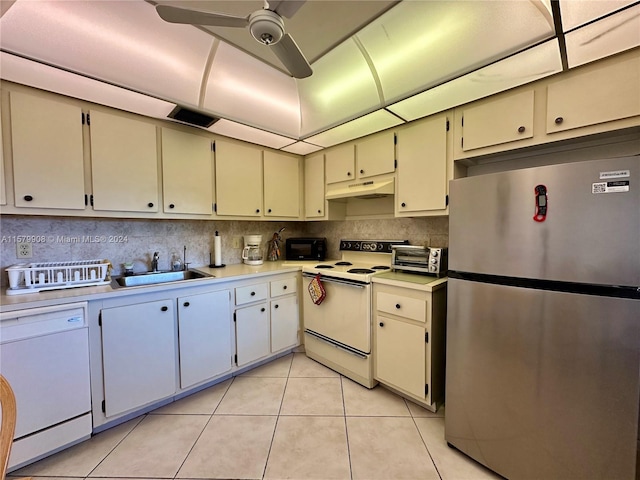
(266, 26)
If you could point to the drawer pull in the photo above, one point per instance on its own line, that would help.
(164, 309)
(276, 305)
(262, 309)
(150, 205)
(253, 294)
(28, 198)
(381, 324)
(398, 306)
(186, 304)
(284, 288)
(171, 205)
(559, 120)
(521, 129)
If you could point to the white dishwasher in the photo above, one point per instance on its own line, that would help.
(44, 354)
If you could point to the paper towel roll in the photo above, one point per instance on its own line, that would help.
(217, 250)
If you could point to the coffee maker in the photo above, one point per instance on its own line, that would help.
(252, 252)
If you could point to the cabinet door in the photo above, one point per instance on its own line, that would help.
(284, 323)
(597, 96)
(3, 191)
(124, 164)
(139, 355)
(281, 185)
(187, 173)
(376, 155)
(204, 332)
(314, 202)
(400, 355)
(252, 333)
(493, 122)
(48, 164)
(422, 166)
(238, 180)
(340, 164)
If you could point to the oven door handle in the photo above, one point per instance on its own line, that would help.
(348, 283)
(333, 344)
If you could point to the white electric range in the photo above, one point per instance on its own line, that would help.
(338, 330)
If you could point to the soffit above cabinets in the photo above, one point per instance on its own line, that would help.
(390, 61)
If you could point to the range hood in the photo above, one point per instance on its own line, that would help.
(365, 189)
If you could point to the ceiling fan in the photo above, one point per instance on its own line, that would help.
(266, 26)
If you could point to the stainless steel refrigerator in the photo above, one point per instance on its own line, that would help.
(543, 326)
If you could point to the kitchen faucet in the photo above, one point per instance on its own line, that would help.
(154, 262)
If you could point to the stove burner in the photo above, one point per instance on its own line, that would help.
(324, 266)
(343, 263)
(381, 267)
(360, 270)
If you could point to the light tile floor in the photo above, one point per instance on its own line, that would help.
(292, 418)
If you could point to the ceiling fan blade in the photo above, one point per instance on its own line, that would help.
(195, 17)
(290, 55)
(288, 8)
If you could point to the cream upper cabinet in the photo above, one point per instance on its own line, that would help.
(3, 191)
(48, 162)
(340, 164)
(594, 96)
(124, 163)
(187, 173)
(421, 179)
(314, 202)
(281, 185)
(238, 179)
(375, 155)
(504, 119)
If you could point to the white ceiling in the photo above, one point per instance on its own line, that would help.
(376, 63)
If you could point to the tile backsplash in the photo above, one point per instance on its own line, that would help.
(127, 240)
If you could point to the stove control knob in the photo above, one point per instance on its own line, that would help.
(434, 253)
(434, 261)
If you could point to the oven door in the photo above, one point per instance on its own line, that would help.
(344, 316)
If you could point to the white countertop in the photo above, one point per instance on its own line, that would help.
(413, 281)
(80, 294)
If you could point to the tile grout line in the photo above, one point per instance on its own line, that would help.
(346, 429)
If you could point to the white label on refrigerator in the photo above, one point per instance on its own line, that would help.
(610, 187)
(615, 174)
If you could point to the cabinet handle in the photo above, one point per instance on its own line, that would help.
(276, 305)
(150, 205)
(164, 309)
(348, 174)
(521, 129)
(269, 211)
(398, 306)
(171, 205)
(186, 304)
(257, 210)
(253, 294)
(559, 120)
(319, 211)
(284, 288)
(361, 171)
(28, 198)
(381, 324)
(403, 204)
(262, 309)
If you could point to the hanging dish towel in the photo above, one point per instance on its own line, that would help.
(316, 290)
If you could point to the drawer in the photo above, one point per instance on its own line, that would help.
(284, 287)
(251, 293)
(411, 308)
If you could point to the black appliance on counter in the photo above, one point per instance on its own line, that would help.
(307, 248)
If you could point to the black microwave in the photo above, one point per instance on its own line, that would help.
(306, 248)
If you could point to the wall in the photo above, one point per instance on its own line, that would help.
(121, 240)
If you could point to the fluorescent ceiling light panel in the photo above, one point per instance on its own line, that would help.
(301, 148)
(606, 37)
(360, 127)
(34, 74)
(532, 64)
(249, 134)
(578, 12)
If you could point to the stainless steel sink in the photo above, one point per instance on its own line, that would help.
(150, 278)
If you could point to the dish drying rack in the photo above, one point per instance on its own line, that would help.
(35, 277)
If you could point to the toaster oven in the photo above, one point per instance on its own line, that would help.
(419, 259)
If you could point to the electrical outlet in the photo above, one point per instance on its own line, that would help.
(23, 250)
(237, 242)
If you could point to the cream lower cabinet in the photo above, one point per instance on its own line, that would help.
(204, 333)
(124, 164)
(409, 341)
(421, 179)
(285, 314)
(47, 153)
(138, 355)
